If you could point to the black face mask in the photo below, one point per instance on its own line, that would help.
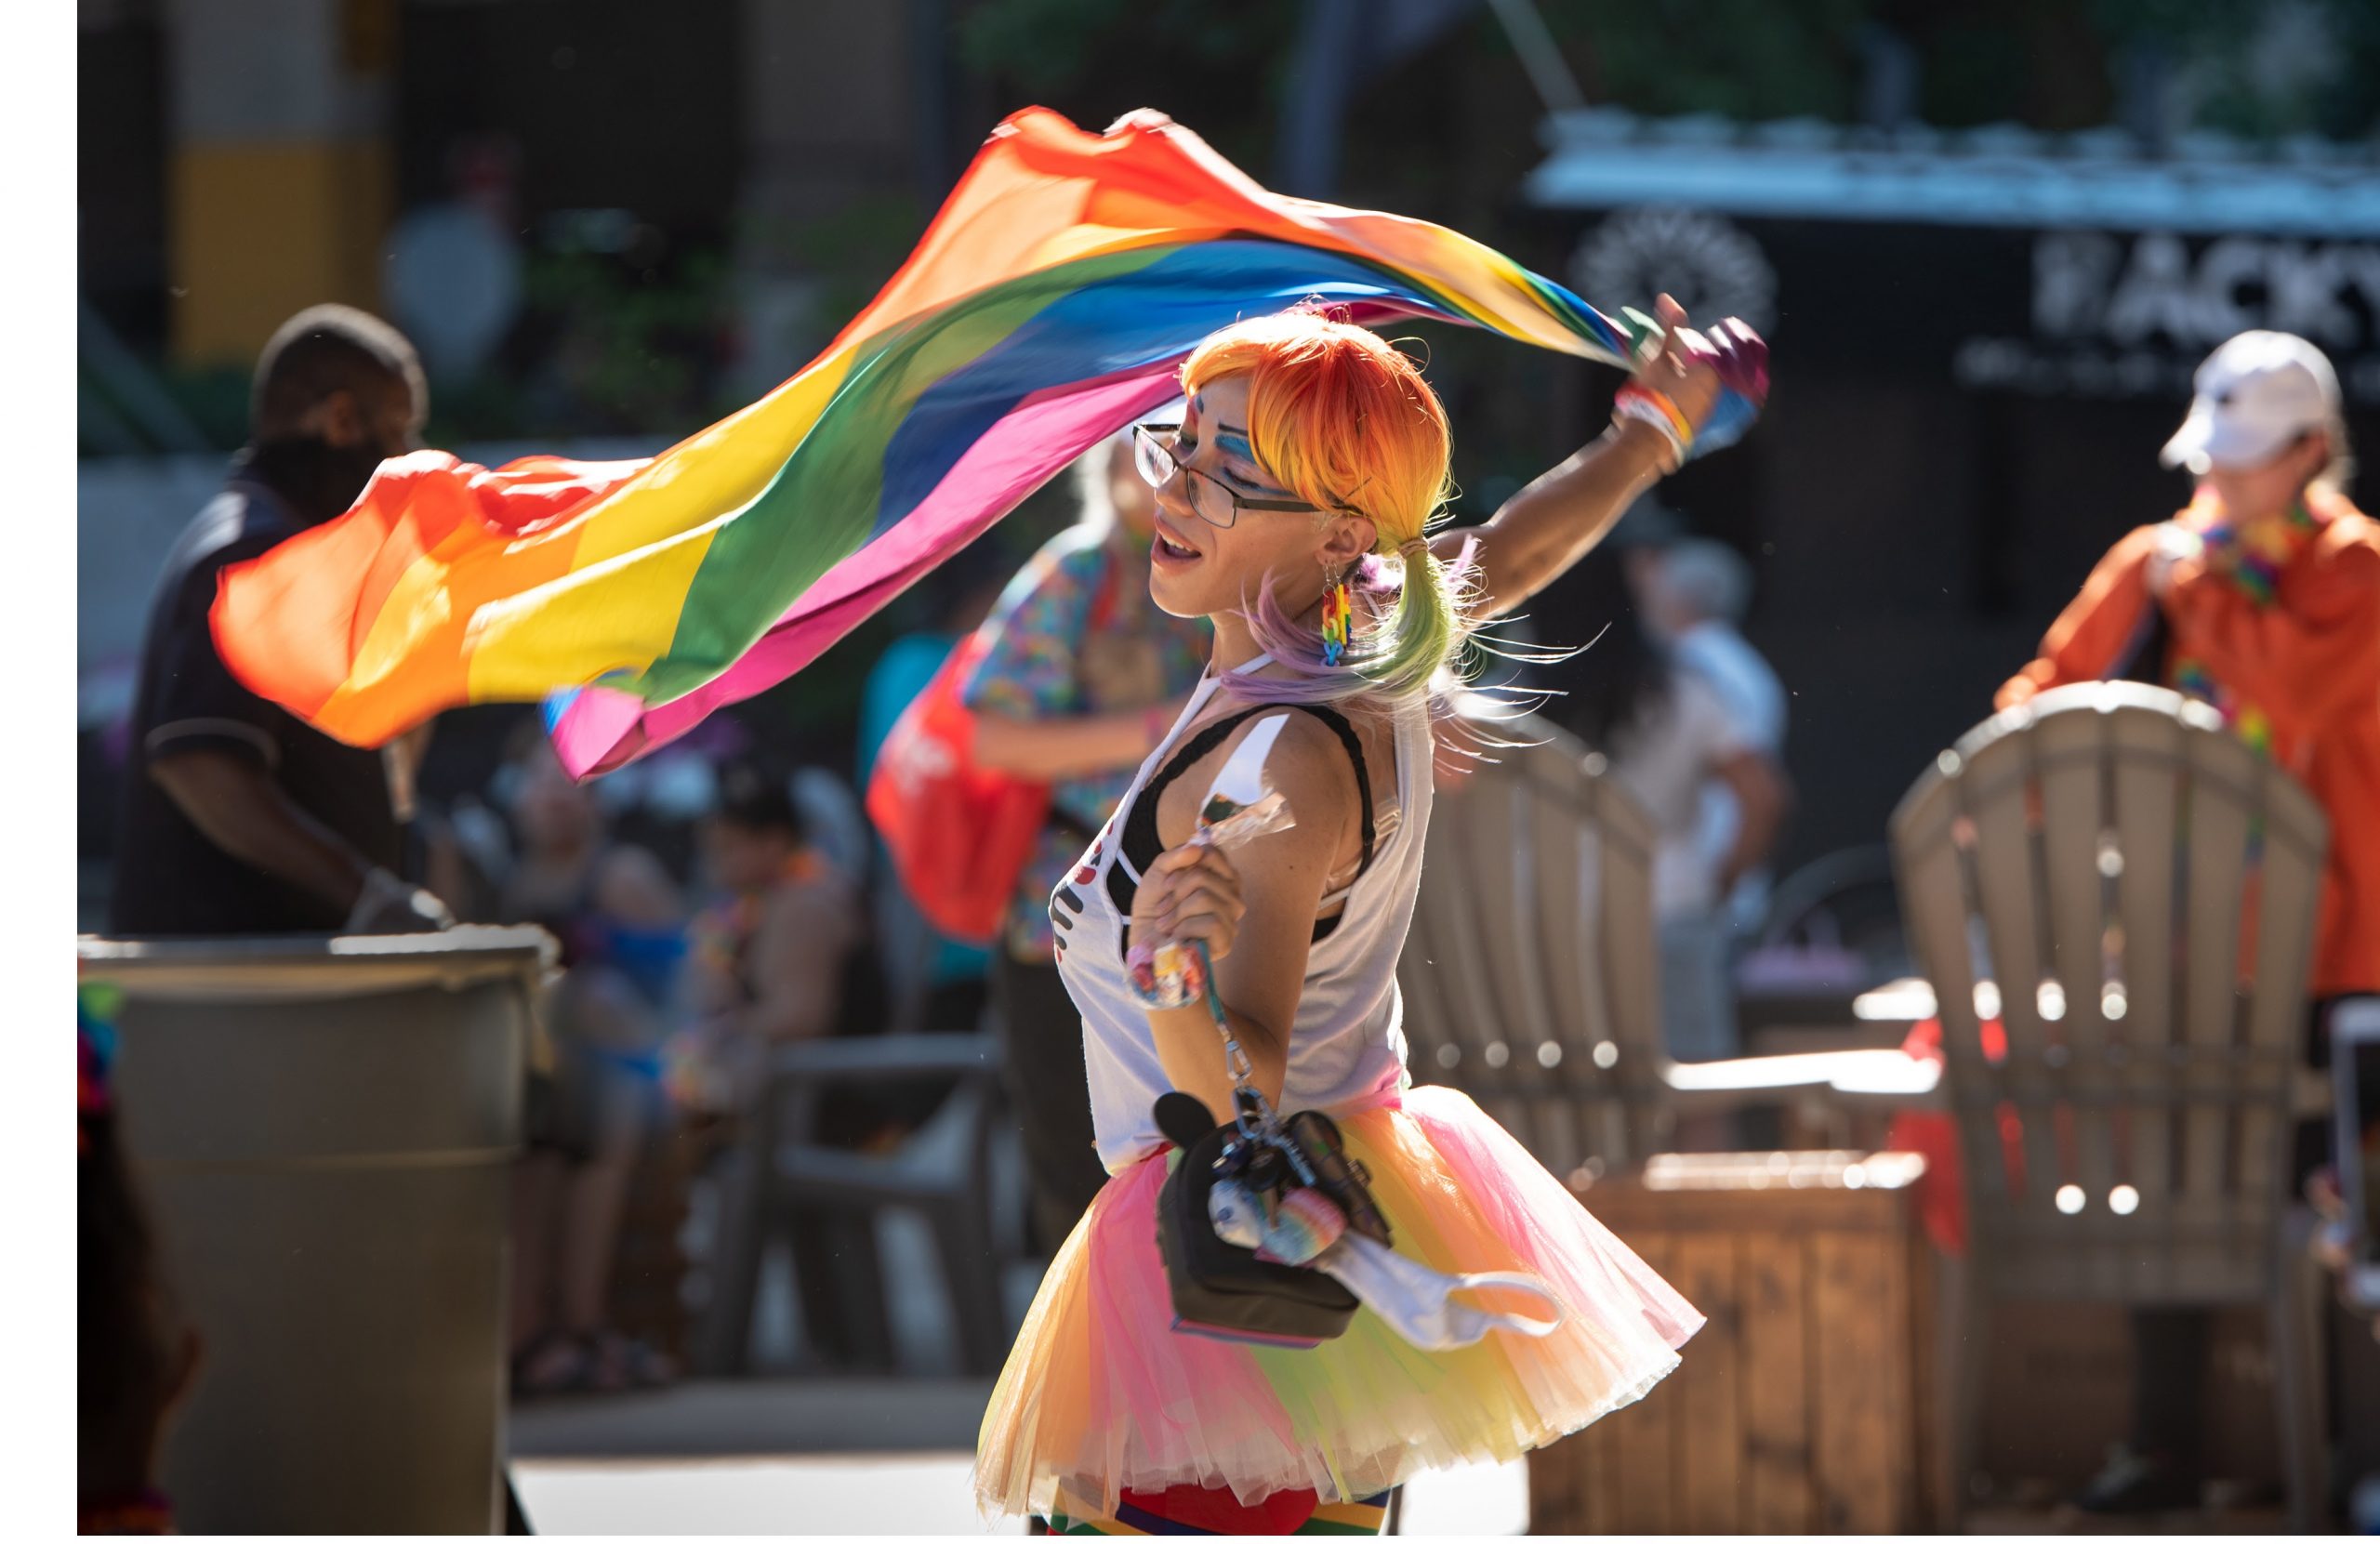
(317, 479)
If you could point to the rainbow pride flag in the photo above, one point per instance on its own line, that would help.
(1048, 305)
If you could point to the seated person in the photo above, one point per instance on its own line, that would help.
(598, 1100)
(786, 955)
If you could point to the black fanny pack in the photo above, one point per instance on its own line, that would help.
(1223, 1290)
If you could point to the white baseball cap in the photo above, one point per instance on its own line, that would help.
(2253, 396)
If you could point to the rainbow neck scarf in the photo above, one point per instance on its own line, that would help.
(1050, 303)
(720, 933)
(2253, 562)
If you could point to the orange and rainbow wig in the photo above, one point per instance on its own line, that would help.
(1342, 418)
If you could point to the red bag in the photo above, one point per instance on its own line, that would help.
(960, 833)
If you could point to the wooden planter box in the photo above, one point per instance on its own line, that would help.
(1807, 1403)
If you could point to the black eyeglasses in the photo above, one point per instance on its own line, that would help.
(1153, 454)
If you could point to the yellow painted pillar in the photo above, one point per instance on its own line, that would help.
(283, 180)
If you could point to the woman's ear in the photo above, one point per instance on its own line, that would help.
(1348, 540)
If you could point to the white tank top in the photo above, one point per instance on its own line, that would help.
(1347, 1043)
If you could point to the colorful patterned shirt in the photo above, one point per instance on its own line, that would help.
(1046, 660)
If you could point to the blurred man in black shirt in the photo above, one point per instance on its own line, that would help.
(238, 818)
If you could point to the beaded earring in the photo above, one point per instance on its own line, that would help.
(1338, 612)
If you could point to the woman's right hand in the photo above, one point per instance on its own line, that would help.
(1676, 371)
(1191, 891)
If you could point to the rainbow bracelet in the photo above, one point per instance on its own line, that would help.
(1645, 403)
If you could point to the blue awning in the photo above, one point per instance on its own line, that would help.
(2002, 175)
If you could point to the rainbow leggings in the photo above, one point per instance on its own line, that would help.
(1188, 1509)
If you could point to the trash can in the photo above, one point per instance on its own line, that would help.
(325, 1130)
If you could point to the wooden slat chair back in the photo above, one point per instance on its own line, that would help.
(2129, 892)
(2133, 889)
(1531, 973)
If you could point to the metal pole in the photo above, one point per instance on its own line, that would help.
(1541, 56)
(1313, 119)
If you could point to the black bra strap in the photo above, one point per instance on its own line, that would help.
(1142, 845)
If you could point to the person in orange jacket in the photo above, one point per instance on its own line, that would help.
(2262, 598)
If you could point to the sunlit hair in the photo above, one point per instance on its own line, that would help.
(1342, 420)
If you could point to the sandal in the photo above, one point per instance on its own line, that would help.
(631, 1363)
(556, 1363)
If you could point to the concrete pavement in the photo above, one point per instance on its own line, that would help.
(827, 1455)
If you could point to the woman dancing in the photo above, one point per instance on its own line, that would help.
(1297, 491)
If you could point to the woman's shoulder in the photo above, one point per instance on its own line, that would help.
(2349, 536)
(1311, 765)
(1694, 695)
(824, 904)
(1069, 564)
(1700, 712)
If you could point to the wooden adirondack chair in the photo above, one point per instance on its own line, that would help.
(2129, 892)
(1532, 975)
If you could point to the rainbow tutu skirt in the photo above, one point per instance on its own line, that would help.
(1102, 1394)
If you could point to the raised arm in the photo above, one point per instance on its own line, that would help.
(1557, 519)
(2090, 637)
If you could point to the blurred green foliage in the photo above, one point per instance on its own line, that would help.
(1740, 59)
(1219, 65)
(853, 252)
(634, 348)
(2254, 67)
(1050, 47)
(2262, 68)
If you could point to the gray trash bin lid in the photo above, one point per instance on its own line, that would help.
(199, 968)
